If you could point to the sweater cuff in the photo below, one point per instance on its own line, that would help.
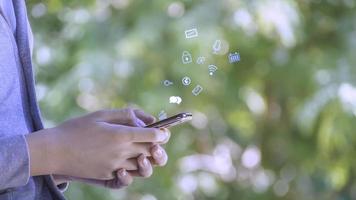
(14, 162)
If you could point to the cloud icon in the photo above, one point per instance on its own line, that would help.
(175, 99)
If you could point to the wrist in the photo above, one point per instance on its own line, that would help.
(43, 154)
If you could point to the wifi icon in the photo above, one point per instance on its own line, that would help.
(212, 69)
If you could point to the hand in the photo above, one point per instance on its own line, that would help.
(93, 146)
(123, 177)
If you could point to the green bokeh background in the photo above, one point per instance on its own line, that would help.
(280, 124)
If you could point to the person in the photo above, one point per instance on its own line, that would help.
(107, 147)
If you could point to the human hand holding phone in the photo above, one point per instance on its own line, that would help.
(107, 147)
(158, 155)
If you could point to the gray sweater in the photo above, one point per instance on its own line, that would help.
(19, 112)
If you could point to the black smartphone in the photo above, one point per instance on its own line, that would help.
(172, 121)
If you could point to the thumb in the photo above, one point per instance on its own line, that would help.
(125, 116)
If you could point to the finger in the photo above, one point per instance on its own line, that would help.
(146, 118)
(125, 116)
(136, 134)
(129, 164)
(134, 173)
(144, 166)
(136, 149)
(123, 179)
(167, 139)
(159, 155)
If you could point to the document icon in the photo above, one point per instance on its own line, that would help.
(191, 33)
(197, 90)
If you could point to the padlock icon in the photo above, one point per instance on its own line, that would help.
(186, 57)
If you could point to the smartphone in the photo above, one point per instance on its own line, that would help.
(172, 121)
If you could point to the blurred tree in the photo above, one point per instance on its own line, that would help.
(279, 124)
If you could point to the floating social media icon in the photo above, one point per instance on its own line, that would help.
(216, 46)
(201, 60)
(212, 69)
(186, 57)
(162, 115)
(197, 90)
(191, 33)
(175, 99)
(234, 57)
(186, 81)
(167, 83)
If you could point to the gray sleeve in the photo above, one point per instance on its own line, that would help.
(14, 162)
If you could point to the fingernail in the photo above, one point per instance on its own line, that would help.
(158, 153)
(145, 162)
(122, 172)
(140, 123)
(166, 133)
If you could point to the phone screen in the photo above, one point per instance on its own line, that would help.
(172, 121)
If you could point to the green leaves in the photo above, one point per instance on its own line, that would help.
(292, 95)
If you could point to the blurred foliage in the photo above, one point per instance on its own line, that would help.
(280, 124)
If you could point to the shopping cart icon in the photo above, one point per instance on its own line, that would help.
(234, 57)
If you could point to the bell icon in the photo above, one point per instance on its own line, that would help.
(186, 57)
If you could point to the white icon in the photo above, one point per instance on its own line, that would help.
(167, 83)
(175, 99)
(212, 69)
(234, 57)
(162, 115)
(217, 46)
(186, 81)
(201, 60)
(191, 33)
(186, 57)
(197, 90)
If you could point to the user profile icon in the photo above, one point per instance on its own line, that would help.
(200, 60)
